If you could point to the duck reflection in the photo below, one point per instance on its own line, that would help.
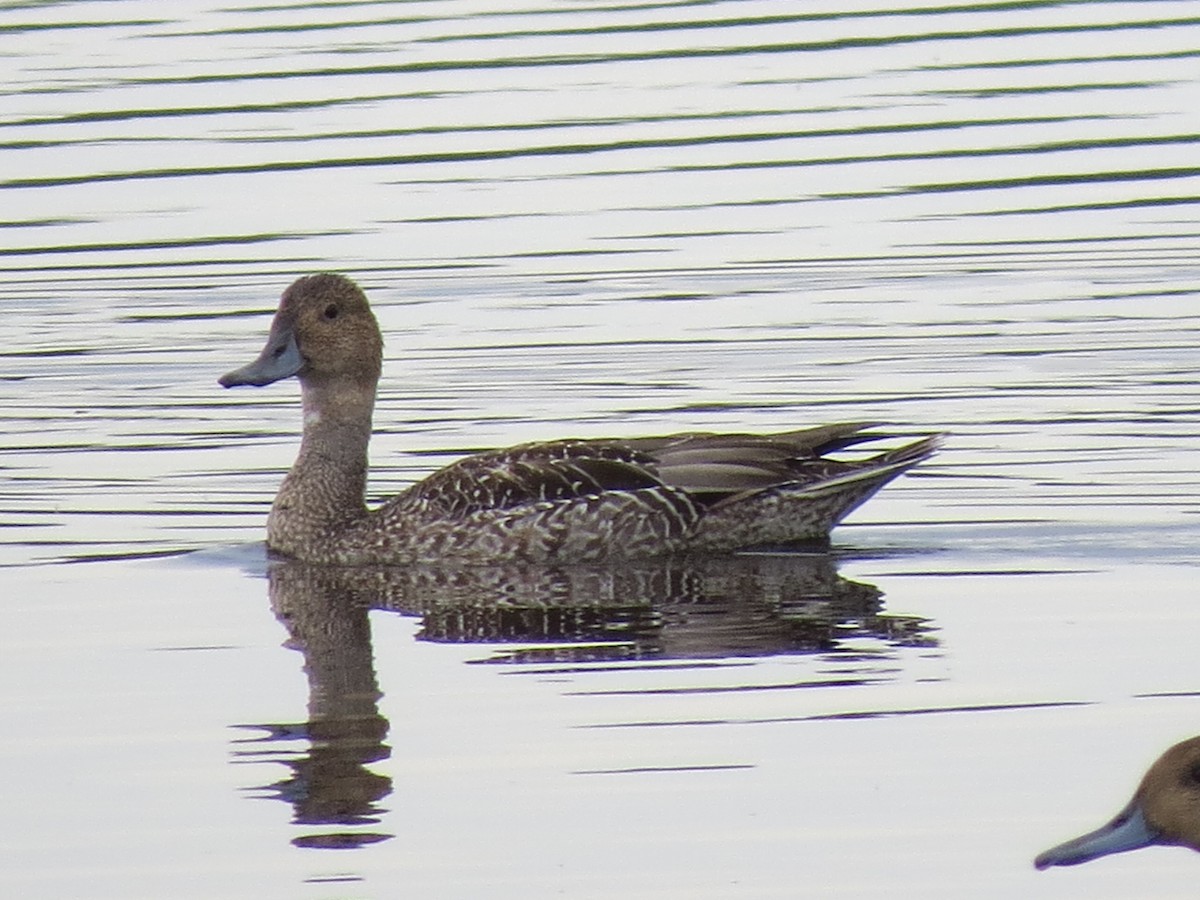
(329, 783)
(738, 606)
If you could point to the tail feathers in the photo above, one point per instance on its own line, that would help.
(875, 472)
(904, 456)
(911, 453)
(804, 511)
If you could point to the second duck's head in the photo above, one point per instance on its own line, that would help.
(324, 332)
(1164, 810)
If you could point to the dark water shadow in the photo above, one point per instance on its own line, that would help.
(643, 613)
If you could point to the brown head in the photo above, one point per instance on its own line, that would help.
(324, 332)
(1165, 810)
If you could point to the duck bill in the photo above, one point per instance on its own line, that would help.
(279, 359)
(1128, 831)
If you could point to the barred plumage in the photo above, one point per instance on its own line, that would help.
(561, 501)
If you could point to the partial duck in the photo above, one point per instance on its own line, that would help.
(560, 501)
(1164, 810)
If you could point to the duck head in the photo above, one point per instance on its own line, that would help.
(324, 333)
(1164, 810)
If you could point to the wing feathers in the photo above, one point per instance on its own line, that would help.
(715, 469)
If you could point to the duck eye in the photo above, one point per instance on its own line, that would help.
(1191, 775)
(331, 311)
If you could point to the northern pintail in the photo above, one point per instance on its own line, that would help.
(1165, 809)
(560, 501)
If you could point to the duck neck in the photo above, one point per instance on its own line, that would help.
(324, 491)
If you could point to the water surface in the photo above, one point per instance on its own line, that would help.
(599, 220)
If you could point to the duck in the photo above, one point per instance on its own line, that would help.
(563, 501)
(1165, 809)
